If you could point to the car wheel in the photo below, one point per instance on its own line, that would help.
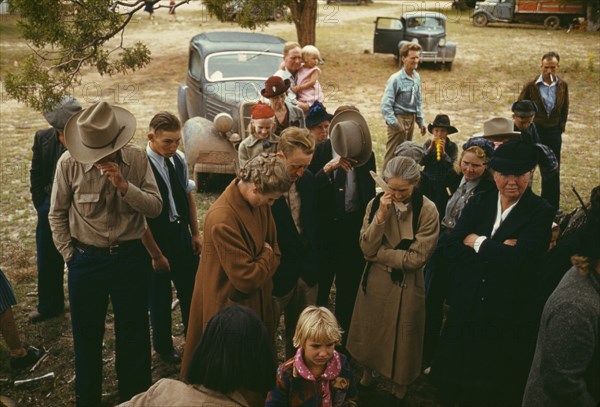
(448, 66)
(552, 23)
(480, 20)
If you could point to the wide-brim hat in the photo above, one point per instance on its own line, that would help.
(98, 131)
(443, 121)
(60, 114)
(498, 129)
(350, 136)
(275, 86)
(317, 114)
(514, 158)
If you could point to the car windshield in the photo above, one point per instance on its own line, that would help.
(241, 65)
(425, 24)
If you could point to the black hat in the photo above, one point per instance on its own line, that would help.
(524, 108)
(317, 114)
(514, 158)
(60, 114)
(486, 145)
(443, 121)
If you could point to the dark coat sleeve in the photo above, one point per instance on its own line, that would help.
(36, 174)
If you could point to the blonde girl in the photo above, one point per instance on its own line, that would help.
(317, 375)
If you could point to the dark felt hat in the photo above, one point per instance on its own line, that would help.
(514, 158)
(524, 108)
(486, 145)
(275, 86)
(62, 112)
(443, 121)
(317, 114)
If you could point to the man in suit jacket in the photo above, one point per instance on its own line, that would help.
(495, 249)
(551, 95)
(295, 282)
(341, 165)
(48, 146)
(172, 239)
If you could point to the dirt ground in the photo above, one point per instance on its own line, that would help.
(491, 66)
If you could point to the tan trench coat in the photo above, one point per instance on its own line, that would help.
(233, 265)
(388, 323)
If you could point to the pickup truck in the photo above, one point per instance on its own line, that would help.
(552, 13)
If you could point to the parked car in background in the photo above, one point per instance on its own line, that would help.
(226, 71)
(552, 13)
(428, 28)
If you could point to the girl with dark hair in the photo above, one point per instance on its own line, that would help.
(233, 366)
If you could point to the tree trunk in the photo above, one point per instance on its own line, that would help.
(304, 14)
(593, 23)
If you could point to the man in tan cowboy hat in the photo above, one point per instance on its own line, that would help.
(344, 187)
(498, 130)
(103, 190)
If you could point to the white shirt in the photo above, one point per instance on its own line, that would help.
(500, 217)
(159, 162)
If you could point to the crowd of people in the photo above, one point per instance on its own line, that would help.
(447, 265)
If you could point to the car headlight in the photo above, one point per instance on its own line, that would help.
(442, 42)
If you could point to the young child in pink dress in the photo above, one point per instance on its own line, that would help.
(308, 88)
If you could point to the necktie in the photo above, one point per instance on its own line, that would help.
(179, 195)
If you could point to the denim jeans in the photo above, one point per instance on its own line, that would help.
(93, 279)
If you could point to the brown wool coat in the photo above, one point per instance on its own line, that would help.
(234, 266)
(388, 323)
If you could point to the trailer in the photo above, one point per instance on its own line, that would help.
(552, 13)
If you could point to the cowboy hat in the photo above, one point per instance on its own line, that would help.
(62, 112)
(275, 86)
(443, 121)
(514, 158)
(98, 131)
(350, 136)
(498, 129)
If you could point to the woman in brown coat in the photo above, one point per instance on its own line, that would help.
(398, 236)
(240, 252)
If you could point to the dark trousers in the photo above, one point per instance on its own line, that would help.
(93, 278)
(437, 290)
(50, 266)
(340, 256)
(552, 137)
(176, 246)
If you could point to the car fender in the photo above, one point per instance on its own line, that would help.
(489, 16)
(207, 150)
(182, 103)
(450, 51)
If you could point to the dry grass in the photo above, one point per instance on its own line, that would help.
(491, 66)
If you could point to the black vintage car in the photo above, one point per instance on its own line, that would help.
(226, 71)
(428, 28)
